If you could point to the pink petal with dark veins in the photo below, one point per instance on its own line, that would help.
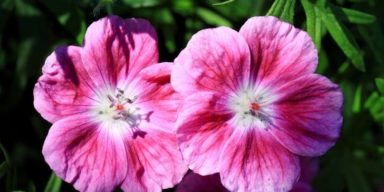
(253, 161)
(85, 154)
(308, 115)
(279, 50)
(214, 60)
(202, 131)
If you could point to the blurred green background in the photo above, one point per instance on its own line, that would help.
(348, 33)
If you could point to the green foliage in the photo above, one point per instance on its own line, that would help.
(284, 9)
(54, 184)
(349, 36)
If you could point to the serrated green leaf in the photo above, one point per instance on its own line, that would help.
(353, 16)
(212, 18)
(340, 34)
(54, 184)
(284, 9)
(314, 24)
(380, 85)
(357, 100)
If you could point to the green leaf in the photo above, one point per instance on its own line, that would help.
(3, 168)
(372, 99)
(356, 181)
(183, 6)
(314, 24)
(54, 184)
(81, 34)
(380, 85)
(357, 100)
(353, 16)
(223, 3)
(374, 38)
(6, 156)
(343, 68)
(323, 62)
(212, 18)
(284, 9)
(340, 34)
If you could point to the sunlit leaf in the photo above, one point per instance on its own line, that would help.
(344, 41)
(284, 9)
(212, 18)
(224, 2)
(357, 100)
(314, 23)
(81, 34)
(54, 184)
(142, 3)
(372, 99)
(183, 6)
(380, 84)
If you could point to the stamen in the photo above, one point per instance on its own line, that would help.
(111, 99)
(119, 107)
(254, 106)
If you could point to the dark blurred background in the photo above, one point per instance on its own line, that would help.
(348, 33)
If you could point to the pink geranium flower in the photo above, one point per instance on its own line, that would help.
(112, 109)
(194, 182)
(253, 104)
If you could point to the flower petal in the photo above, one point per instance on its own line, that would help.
(85, 154)
(202, 131)
(193, 182)
(279, 51)
(154, 160)
(61, 90)
(116, 49)
(254, 161)
(214, 60)
(308, 115)
(156, 95)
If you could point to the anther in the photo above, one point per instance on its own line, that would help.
(111, 99)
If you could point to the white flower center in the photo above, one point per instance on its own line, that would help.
(252, 107)
(118, 108)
